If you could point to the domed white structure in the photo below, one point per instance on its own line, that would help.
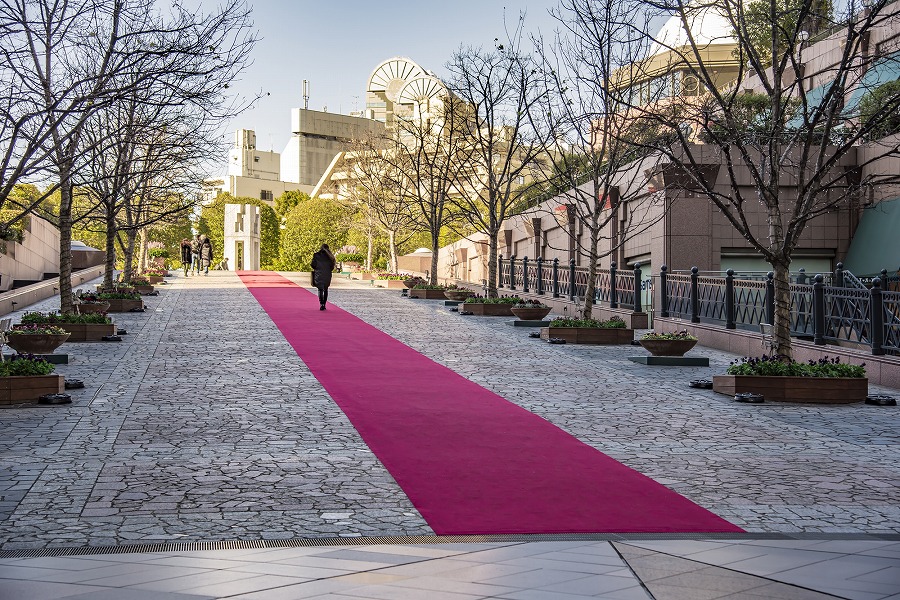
(706, 25)
(400, 87)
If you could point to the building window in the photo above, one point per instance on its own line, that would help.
(255, 159)
(266, 195)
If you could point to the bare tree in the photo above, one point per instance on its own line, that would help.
(788, 125)
(598, 163)
(502, 89)
(77, 57)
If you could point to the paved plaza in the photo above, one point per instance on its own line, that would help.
(204, 460)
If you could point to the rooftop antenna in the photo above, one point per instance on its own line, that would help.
(305, 94)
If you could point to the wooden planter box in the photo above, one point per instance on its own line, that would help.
(143, 289)
(391, 284)
(88, 308)
(589, 335)
(362, 276)
(427, 294)
(123, 305)
(88, 332)
(487, 310)
(817, 390)
(16, 390)
(154, 279)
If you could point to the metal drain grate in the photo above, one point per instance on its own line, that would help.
(423, 539)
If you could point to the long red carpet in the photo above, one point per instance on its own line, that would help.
(470, 461)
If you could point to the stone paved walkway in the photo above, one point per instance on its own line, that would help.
(204, 425)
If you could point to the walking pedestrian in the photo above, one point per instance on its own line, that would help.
(195, 253)
(323, 264)
(186, 255)
(206, 254)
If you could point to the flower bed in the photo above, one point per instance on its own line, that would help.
(25, 378)
(530, 310)
(83, 327)
(668, 344)
(588, 331)
(490, 307)
(36, 339)
(826, 381)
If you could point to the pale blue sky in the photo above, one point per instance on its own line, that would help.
(336, 45)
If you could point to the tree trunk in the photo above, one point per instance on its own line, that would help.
(435, 248)
(781, 330)
(66, 306)
(493, 251)
(110, 265)
(369, 249)
(591, 290)
(128, 271)
(392, 247)
(143, 249)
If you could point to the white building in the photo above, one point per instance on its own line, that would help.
(242, 237)
(253, 173)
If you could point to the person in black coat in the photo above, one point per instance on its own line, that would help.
(323, 264)
(186, 257)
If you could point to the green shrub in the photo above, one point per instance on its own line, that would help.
(612, 323)
(504, 300)
(675, 335)
(781, 366)
(25, 365)
(91, 318)
(159, 253)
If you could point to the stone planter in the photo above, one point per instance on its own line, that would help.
(427, 294)
(668, 347)
(589, 335)
(530, 313)
(87, 308)
(88, 332)
(391, 284)
(35, 343)
(16, 390)
(487, 310)
(458, 295)
(817, 390)
(124, 305)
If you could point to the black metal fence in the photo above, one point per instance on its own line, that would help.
(832, 307)
(614, 287)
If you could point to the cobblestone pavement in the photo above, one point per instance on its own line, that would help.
(204, 425)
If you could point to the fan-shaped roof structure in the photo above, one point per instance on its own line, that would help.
(706, 25)
(392, 75)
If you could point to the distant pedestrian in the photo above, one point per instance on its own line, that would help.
(195, 253)
(186, 255)
(206, 254)
(323, 264)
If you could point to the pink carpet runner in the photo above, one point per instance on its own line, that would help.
(470, 461)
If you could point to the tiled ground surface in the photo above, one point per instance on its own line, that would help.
(203, 425)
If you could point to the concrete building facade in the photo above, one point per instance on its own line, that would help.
(242, 237)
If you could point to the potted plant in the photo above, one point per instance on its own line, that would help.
(588, 331)
(457, 293)
(121, 301)
(36, 339)
(778, 378)
(530, 310)
(390, 280)
(668, 344)
(426, 291)
(91, 303)
(25, 378)
(490, 307)
(412, 282)
(84, 328)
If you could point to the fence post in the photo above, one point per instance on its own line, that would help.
(555, 277)
(876, 316)
(500, 270)
(613, 293)
(819, 311)
(770, 298)
(572, 279)
(512, 272)
(525, 274)
(839, 275)
(637, 289)
(695, 296)
(801, 276)
(663, 292)
(729, 299)
(540, 275)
